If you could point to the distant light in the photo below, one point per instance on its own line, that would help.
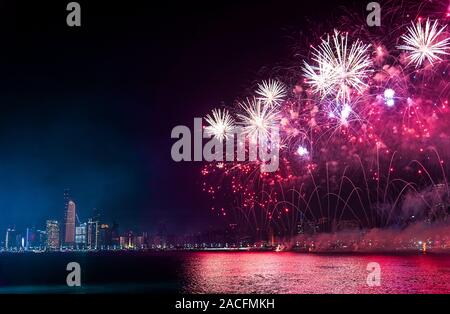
(389, 94)
(390, 102)
(302, 151)
(345, 113)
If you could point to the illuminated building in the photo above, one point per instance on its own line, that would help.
(13, 239)
(105, 236)
(124, 242)
(41, 239)
(92, 235)
(81, 235)
(115, 236)
(70, 217)
(66, 208)
(139, 242)
(127, 241)
(31, 239)
(52, 234)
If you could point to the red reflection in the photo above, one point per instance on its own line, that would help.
(263, 272)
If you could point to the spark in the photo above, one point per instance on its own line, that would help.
(221, 124)
(389, 94)
(302, 151)
(345, 114)
(339, 68)
(271, 92)
(425, 43)
(258, 120)
(319, 77)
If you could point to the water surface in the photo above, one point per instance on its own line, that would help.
(223, 272)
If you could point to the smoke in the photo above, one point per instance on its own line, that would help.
(424, 225)
(418, 236)
(429, 202)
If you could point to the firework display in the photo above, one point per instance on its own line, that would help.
(364, 127)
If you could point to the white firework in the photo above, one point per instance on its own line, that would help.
(425, 43)
(319, 78)
(340, 67)
(257, 119)
(221, 124)
(271, 92)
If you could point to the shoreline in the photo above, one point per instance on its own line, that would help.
(235, 251)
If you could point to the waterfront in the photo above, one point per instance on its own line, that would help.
(223, 272)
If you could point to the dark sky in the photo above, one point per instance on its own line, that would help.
(92, 108)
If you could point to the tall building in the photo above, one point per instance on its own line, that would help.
(92, 234)
(115, 235)
(31, 239)
(66, 199)
(105, 236)
(52, 234)
(70, 217)
(12, 239)
(127, 241)
(41, 239)
(139, 242)
(81, 235)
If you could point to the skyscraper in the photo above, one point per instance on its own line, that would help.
(105, 236)
(12, 239)
(52, 234)
(66, 198)
(31, 239)
(70, 217)
(115, 235)
(92, 234)
(81, 235)
(41, 239)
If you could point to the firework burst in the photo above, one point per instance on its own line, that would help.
(271, 93)
(425, 43)
(221, 124)
(258, 119)
(340, 67)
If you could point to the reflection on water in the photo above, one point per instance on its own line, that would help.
(222, 272)
(303, 273)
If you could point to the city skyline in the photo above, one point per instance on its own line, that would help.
(102, 128)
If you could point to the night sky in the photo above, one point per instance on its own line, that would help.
(92, 108)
